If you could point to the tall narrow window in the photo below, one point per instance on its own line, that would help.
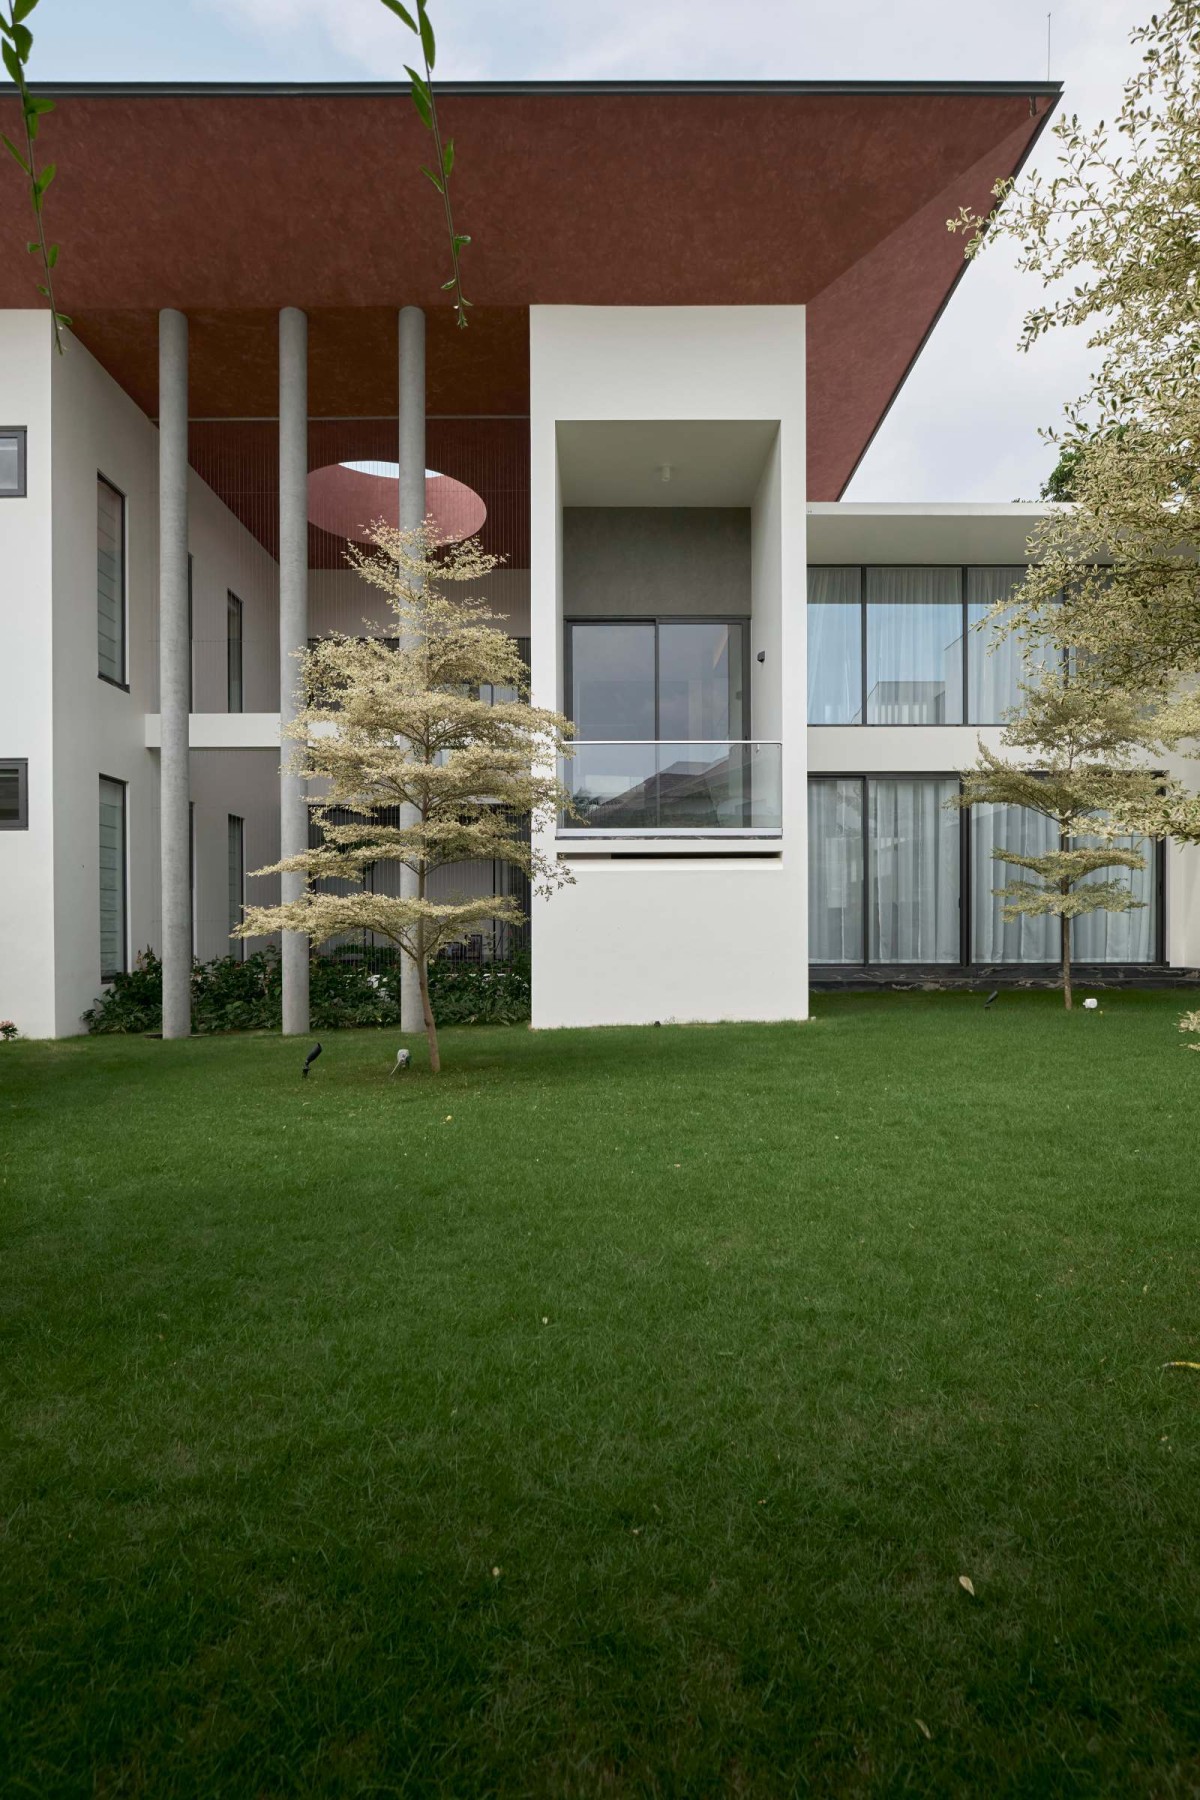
(112, 878)
(12, 461)
(914, 646)
(914, 850)
(834, 647)
(14, 794)
(233, 652)
(237, 883)
(192, 874)
(191, 645)
(110, 581)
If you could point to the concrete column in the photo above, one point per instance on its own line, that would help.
(412, 514)
(174, 660)
(293, 636)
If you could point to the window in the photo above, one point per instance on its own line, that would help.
(996, 665)
(835, 871)
(14, 794)
(12, 462)
(1099, 937)
(835, 647)
(914, 862)
(894, 873)
(191, 644)
(110, 581)
(233, 652)
(192, 875)
(112, 878)
(237, 883)
(651, 680)
(907, 639)
(914, 647)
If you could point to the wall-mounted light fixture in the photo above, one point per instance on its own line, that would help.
(762, 656)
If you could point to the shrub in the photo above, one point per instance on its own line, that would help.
(233, 995)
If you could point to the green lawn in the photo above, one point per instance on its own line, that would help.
(615, 1415)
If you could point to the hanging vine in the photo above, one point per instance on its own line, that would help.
(15, 46)
(425, 102)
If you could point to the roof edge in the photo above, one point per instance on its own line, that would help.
(367, 89)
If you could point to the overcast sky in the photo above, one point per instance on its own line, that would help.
(965, 426)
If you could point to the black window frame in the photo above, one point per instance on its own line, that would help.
(966, 911)
(108, 975)
(966, 722)
(21, 765)
(21, 434)
(657, 620)
(122, 681)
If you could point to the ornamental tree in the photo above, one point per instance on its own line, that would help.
(397, 721)
(1077, 770)
(1114, 237)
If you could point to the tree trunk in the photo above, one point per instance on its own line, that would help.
(1065, 926)
(435, 1061)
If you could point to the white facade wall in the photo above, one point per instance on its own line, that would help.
(27, 890)
(677, 931)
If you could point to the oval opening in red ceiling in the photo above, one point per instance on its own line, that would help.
(345, 499)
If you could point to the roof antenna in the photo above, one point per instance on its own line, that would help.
(1048, 18)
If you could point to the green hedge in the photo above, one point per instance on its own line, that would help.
(233, 995)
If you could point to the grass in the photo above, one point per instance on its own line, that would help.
(615, 1415)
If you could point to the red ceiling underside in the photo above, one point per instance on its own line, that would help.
(229, 206)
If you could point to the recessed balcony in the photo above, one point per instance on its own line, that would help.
(658, 788)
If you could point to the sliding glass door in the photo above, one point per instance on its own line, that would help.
(897, 873)
(649, 679)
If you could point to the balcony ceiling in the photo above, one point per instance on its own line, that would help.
(232, 202)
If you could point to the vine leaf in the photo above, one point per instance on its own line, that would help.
(424, 100)
(16, 44)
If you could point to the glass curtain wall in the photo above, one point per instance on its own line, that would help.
(906, 634)
(888, 864)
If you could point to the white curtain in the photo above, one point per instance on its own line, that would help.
(914, 646)
(1127, 937)
(997, 940)
(915, 872)
(835, 872)
(996, 665)
(834, 647)
(1099, 937)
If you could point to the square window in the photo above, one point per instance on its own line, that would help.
(12, 461)
(14, 794)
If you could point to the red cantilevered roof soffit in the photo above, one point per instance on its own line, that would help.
(232, 202)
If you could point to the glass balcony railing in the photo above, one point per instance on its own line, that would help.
(642, 788)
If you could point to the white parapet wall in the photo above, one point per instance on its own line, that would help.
(679, 407)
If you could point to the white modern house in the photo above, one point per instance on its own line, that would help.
(694, 304)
